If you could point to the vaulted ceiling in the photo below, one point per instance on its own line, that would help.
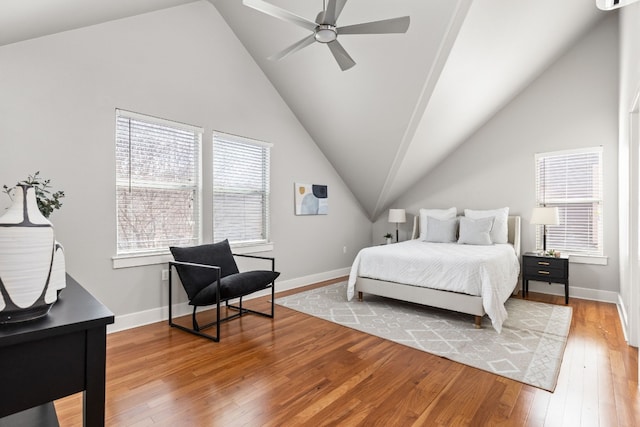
(410, 100)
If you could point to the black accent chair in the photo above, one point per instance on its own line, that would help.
(210, 275)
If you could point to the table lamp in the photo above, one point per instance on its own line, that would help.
(398, 216)
(545, 216)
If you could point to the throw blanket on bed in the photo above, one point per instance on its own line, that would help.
(487, 271)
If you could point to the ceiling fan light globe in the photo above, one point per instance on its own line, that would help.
(326, 33)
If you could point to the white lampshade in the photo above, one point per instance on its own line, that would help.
(397, 215)
(545, 216)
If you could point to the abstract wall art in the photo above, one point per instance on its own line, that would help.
(311, 199)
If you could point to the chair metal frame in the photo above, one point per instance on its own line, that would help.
(197, 329)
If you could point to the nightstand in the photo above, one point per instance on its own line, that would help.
(545, 269)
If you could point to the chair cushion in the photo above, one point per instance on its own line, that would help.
(194, 279)
(235, 285)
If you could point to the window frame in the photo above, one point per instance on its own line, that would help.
(129, 258)
(579, 256)
(253, 245)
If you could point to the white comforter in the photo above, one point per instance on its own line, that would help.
(487, 271)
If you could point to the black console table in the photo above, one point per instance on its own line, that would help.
(55, 356)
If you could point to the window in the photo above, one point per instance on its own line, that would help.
(157, 183)
(240, 189)
(572, 181)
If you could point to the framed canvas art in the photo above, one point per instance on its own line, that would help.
(311, 199)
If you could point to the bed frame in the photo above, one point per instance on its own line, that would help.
(463, 303)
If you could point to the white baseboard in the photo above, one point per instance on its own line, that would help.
(141, 318)
(574, 292)
(624, 318)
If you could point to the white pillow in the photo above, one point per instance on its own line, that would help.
(437, 214)
(441, 231)
(500, 230)
(475, 231)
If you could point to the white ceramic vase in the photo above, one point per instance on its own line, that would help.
(32, 267)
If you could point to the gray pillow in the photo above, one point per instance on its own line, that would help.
(435, 213)
(475, 231)
(500, 229)
(441, 230)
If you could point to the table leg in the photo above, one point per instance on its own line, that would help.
(93, 411)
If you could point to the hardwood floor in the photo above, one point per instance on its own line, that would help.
(300, 370)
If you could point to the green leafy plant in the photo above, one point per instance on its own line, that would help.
(47, 201)
(388, 236)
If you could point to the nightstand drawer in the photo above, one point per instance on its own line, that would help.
(544, 262)
(545, 274)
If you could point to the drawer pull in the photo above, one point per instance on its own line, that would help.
(542, 263)
(543, 272)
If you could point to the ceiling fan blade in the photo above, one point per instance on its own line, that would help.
(342, 57)
(293, 48)
(276, 12)
(331, 13)
(387, 26)
(339, 6)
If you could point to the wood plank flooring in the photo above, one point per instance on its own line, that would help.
(299, 370)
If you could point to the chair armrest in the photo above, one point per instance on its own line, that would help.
(196, 265)
(192, 264)
(267, 258)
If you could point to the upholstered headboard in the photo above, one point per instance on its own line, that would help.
(513, 223)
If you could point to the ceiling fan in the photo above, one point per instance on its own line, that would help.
(325, 30)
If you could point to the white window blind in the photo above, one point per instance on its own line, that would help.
(157, 183)
(572, 181)
(240, 189)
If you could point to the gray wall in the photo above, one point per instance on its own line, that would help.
(572, 104)
(57, 101)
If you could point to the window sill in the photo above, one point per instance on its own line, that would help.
(138, 260)
(251, 248)
(589, 259)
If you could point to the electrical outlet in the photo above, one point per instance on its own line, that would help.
(344, 249)
(165, 274)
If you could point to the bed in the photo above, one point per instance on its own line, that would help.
(491, 272)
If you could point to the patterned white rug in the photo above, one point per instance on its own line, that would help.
(529, 349)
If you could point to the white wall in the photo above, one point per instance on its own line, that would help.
(572, 104)
(629, 89)
(57, 100)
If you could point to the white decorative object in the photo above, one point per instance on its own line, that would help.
(32, 267)
(612, 4)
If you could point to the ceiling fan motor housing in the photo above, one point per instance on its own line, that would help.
(326, 33)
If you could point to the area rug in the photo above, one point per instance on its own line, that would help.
(529, 349)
